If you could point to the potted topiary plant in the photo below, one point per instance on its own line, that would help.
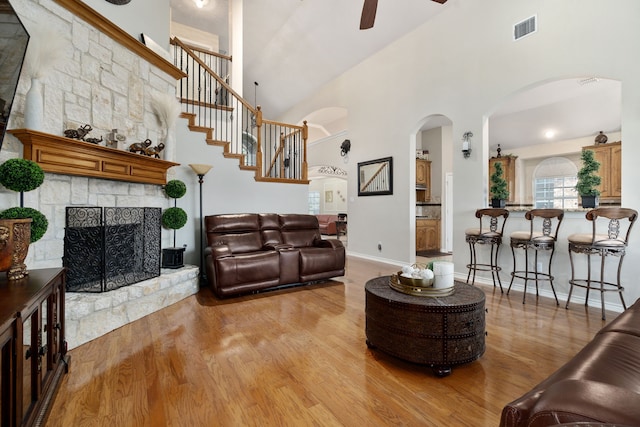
(174, 218)
(498, 190)
(588, 180)
(21, 175)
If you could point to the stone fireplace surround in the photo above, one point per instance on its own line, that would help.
(107, 84)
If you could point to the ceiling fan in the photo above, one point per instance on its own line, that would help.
(369, 13)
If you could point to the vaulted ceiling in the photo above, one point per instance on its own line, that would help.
(293, 47)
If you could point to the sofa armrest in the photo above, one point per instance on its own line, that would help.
(217, 251)
(327, 243)
(583, 400)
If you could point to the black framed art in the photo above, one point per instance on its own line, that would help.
(375, 177)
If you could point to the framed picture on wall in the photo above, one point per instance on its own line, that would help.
(328, 196)
(375, 177)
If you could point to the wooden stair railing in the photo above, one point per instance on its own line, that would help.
(234, 123)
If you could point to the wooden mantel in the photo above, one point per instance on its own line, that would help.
(58, 154)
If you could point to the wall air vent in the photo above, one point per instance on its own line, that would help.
(524, 28)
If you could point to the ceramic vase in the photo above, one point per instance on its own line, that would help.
(169, 144)
(15, 236)
(34, 106)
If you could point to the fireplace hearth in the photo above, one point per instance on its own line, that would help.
(111, 247)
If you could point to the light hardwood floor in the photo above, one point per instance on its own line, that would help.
(298, 357)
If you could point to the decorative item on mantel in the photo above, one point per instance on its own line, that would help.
(81, 133)
(78, 133)
(45, 50)
(601, 138)
(19, 226)
(145, 148)
(167, 109)
(174, 218)
(115, 139)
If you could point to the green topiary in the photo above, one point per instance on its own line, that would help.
(175, 189)
(39, 223)
(21, 175)
(498, 188)
(174, 218)
(587, 178)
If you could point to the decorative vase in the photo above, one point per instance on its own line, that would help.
(498, 203)
(15, 236)
(170, 144)
(34, 106)
(590, 201)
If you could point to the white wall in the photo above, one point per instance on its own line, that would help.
(462, 64)
(150, 17)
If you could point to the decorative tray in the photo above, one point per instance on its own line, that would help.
(420, 291)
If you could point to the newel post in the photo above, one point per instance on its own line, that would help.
(259, 149)
(305, 135)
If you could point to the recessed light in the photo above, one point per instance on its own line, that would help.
(550, 134)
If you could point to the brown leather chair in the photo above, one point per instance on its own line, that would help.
(492, 221)
(541, 236)
(610, 228)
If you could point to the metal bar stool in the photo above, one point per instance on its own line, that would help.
(492, 221)
(546, 223)
(612, 241)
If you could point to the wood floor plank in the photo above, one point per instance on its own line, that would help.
(298, 357)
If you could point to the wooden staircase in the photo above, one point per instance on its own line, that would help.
(274, 151)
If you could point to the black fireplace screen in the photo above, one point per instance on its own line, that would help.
(108, 248)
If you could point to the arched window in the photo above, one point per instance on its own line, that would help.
(554, 182)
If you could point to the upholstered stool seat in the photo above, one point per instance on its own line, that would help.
(492, 221)
(541, 236)
(609, 237)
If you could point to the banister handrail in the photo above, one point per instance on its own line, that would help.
(221, 81)
(174, 40)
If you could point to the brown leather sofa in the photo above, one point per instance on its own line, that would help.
(327, 224)
(250, 252)
(601, 384)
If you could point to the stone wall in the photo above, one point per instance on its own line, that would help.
(89, 316)
(101, 83)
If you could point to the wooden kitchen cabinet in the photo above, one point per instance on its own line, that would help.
(427, 234)
(509, 170)
(33, 345)
(610, 158)
(423, 180)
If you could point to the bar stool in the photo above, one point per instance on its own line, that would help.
(492, 221)
(546, 223)
(612, 241)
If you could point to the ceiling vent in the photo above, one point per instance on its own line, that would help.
(524, 28)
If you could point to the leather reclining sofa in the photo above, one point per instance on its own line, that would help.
(251, 252)
(598, 386)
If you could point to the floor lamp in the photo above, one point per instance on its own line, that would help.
(201, 171)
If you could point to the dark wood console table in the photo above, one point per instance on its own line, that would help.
(440, 332)
(32, 345)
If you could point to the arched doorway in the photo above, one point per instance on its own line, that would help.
(433, 208)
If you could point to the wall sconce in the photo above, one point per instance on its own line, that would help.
(466, 144)
(345, 147)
